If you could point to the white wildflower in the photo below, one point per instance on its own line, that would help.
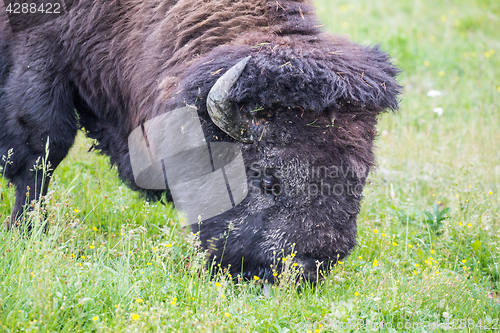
(433, 93)
(439, 111)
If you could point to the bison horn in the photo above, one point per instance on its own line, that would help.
(224, 112)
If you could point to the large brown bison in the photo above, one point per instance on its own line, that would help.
(296, 108)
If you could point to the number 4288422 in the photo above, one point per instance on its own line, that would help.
(33, 8)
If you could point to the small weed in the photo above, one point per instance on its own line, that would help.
(434, 219)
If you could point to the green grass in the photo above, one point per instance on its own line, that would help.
(112, 262)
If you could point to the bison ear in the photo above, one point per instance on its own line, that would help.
(224, 112)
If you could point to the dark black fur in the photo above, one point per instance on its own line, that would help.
(119, 63)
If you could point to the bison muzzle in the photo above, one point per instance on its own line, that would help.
(289, 110)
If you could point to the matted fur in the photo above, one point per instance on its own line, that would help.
(122, 62)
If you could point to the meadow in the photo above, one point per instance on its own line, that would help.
(428, 249)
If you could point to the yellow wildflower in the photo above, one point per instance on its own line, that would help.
(135, 316)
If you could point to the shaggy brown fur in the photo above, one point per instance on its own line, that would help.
(122, 62)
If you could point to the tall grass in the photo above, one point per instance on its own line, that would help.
(428, 238)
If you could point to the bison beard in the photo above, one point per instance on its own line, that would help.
(121, 63)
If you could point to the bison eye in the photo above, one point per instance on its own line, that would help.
(270, 185)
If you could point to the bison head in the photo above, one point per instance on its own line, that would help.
(303, 116)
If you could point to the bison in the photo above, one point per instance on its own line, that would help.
(290, 112)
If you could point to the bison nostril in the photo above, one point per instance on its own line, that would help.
(270, 185)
